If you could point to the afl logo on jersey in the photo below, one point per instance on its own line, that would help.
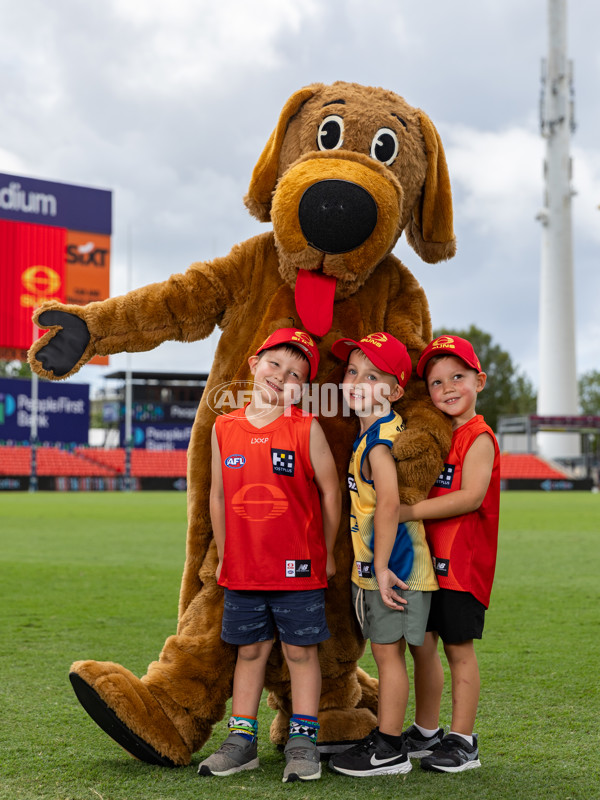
(235, 461)
(259, 501)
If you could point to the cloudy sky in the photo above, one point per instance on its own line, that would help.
(169, 105)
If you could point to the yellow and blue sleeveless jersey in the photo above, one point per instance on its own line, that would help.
(410, 559)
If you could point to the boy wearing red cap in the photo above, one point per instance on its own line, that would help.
(388, 556)
(461, 520)
(275, 510)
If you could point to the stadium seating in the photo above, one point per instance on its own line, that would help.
(527, 466)
(84, 461)
(15, 460)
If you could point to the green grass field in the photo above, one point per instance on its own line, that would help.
(97, 576)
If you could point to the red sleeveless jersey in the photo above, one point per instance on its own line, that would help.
(464, 547)
(273, 525)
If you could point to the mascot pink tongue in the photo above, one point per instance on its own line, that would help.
(314, 300)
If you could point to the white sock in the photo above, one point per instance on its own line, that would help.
(427, 732)
(468, 739)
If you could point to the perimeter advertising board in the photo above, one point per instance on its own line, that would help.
(54, 244)
(63, 411)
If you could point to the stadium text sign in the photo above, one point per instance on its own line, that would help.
(54, 244)
(63, 411)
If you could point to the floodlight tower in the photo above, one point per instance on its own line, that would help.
(557, 394)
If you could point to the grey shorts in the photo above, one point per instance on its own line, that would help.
(383, 625)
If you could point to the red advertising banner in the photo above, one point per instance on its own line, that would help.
(54, 244)
(32, 269)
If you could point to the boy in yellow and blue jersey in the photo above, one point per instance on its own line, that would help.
(392, 575)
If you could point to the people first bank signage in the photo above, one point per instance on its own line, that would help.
(54, 245)
(63, 411)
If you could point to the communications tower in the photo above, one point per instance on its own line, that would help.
(557, 393)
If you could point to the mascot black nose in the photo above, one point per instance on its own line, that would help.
(337, 216)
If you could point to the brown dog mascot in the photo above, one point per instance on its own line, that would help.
(347, 169)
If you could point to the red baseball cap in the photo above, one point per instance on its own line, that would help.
(448, 345)
(297, 338)
(384, 350)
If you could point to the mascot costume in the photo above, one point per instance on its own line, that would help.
(347, 169)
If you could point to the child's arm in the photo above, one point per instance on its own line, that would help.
(217, 501)
(327, 481)
(385, 521)
(476, 475)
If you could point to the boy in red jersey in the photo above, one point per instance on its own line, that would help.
(275, 507)
(461, 522)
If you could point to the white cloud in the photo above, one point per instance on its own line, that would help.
(497, 176)
(183, 46)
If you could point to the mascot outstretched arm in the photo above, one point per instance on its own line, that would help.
(347, 169)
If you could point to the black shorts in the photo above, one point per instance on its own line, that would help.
(456, 616)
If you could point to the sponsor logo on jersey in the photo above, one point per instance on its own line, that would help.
(365, 569)
(297, 569)
(352, 484)
(445, 479)
(258, 502)
(259, 440)
(441, 565)
(283, 462)
(235, 461)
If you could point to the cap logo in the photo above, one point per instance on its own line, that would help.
(376, 339)
(301, 336)
(446, 342)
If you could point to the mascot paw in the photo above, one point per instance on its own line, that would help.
(63, 351)
(122, 706)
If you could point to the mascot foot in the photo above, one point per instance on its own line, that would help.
(106, 719)
(124, 707)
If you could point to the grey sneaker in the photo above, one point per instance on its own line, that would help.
(418, 745)
(303, 762)
(453, 754)
(235, 754)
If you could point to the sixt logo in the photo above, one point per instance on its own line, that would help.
(86, 254)
(235, 461)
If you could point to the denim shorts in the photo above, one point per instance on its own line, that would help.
(298, 616)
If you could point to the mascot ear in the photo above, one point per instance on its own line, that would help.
(264, 176)
(430, 232)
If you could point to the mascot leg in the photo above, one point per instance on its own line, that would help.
(168, 714)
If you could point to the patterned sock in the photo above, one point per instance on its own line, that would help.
(244, 726)
(304, 725)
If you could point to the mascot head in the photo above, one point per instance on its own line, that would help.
(348, 169)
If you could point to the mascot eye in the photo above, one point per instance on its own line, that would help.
(330, 135)
(384, 146)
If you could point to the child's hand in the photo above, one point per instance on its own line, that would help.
(330, 568)
(387, 580)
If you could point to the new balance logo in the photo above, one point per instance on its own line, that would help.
(297, 569)
(441, 565)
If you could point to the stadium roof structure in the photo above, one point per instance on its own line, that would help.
(160, 377)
